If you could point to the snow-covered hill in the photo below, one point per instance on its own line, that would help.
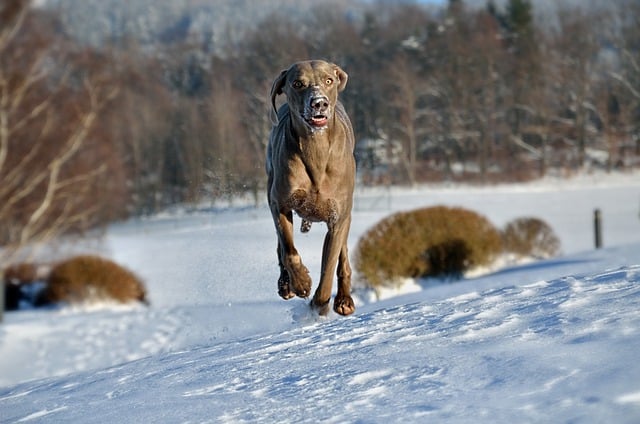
(564, 350)
(552, 341)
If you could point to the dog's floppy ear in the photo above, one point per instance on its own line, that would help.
(276, 89)
(342, 77)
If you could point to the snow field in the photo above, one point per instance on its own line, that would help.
(555, 340)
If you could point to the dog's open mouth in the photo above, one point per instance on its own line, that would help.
(318, 121)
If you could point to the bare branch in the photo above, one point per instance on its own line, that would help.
(32, 76)
(73, 145)
(4, 120)
(626, 83)
(54, 172)
(632, 61)
(12, 15)
(521, 143)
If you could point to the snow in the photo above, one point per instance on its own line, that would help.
(555, 340)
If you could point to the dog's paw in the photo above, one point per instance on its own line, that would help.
(301, 281)
(286, 293)
(284, 287)
(344, 305)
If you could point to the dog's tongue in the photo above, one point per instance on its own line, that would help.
(319, 121)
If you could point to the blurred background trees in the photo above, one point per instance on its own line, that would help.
(60, 171)
(111, 108)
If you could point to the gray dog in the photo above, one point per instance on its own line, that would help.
(311, 170)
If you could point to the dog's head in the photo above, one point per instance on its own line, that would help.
(312, 89)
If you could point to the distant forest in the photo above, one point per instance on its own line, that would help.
(97, 125)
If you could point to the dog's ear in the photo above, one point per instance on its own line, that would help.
(276, 88)
(342, 77)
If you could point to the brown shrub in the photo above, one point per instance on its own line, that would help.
(426, 242)
(530, 237)
(91, 278)
(20, 273)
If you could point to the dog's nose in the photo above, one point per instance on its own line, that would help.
(319, 104)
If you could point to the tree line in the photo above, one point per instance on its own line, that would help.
(91, 134)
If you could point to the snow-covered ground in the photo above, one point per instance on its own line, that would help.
(551, 341)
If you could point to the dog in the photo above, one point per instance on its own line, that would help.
(311, 171)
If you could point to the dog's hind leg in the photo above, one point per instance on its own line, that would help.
(343, 303)
(335, 252)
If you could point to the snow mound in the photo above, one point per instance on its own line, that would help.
(563, 350)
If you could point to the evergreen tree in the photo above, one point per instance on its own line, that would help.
(520, 18)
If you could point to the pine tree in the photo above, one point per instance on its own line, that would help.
(520, 23)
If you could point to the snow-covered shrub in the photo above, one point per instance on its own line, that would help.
(530, 237)
(91, 278)
(433, 241)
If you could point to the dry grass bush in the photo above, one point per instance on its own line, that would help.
(435, 241)
(20, 273)
(530, 237)
(91, 278)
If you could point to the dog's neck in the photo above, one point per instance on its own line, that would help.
(314, 147)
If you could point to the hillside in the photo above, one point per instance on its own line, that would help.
(562, 350)
(556, 339)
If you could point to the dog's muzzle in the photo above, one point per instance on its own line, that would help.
(317, 111)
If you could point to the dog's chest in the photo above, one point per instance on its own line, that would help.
(312, 206)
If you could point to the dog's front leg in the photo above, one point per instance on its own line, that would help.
(299, 279)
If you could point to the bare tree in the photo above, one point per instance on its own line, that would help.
(577, 46)
(627, 79)
(409, 107)
(42, 133)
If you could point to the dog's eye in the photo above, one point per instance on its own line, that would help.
(329, 81)
(297, 84)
